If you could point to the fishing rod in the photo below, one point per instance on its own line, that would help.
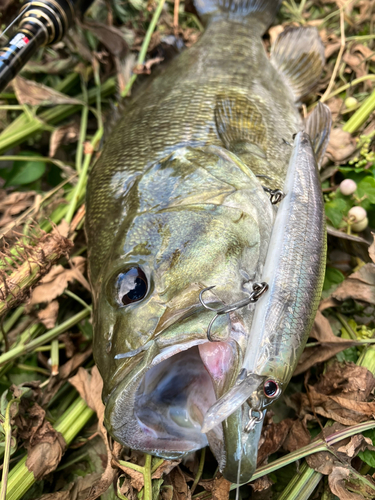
(40, 23)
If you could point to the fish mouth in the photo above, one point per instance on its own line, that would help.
(161, 408)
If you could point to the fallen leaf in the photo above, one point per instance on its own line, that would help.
(13, 204)
(371, 250)
(329, 346)
(341, 145)
(165, 468)
(356, 63)
(135, 477)
(359, 285)
(111, 37)
(37, 94)
(336, 106)
(56, 281)
(340, 395)
(77, 490)
(180, 487)
(63, 135)
(274, 436)
(220, 490)
(48, 315)
(344, 482)
(90, 389)
(44, 444)
(297, 437)
(261, 484)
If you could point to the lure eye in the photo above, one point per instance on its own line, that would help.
(131, 286)
(271, 389)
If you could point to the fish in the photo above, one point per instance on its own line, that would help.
(209, 178)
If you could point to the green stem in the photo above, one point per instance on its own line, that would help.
(361, 115)
(302, 484)
(82, 177)
(82, 131)
(43, 339)
(8, 439)
(145, 44)
(147, 495)
(347, 327)
(200, 470)
(348, 86)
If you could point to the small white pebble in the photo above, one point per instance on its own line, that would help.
(357, 213)
(347, 187)
(360, 226)
(350, 102)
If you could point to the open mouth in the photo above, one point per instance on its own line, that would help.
(171, 398)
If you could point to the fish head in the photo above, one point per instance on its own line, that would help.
(194, 220)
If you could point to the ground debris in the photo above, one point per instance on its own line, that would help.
(26, 264)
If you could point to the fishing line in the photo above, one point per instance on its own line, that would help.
(14, 21)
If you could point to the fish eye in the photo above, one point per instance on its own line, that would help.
(271, 389)
(131, 286)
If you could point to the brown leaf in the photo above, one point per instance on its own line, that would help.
(165, 468)
(37, 94)
(340, 395)
(336, 106)
(330, 345)
(45, 445)
(274, 436)
(261, 484)
(136, 478)
(111, 37)
(56, 281)
(90, 389)
(48, 315)
(344, 482)
(298, 436)
(341, 145)
(180, 488)
(145, 69)
(371, 249)
(356, 63)
(220, 490)
(13, 204)
(63, 135)
(359, 285)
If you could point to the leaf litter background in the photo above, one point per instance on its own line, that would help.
(318, 442)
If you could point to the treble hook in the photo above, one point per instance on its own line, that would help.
(276, 195)
(258, 291)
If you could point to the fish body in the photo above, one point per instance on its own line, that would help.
(176, 204)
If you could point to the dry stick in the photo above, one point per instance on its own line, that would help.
(338, 60)
(175, 16)
(14, 286)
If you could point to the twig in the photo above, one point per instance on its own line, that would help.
(175, 16)
(338, 60)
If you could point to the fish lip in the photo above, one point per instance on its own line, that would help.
(121, 418)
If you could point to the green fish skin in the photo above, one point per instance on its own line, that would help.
(176, 204)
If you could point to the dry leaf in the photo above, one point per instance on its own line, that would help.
(330, 344)
(340, 395)
(356, 63)
(48, 315)
(274, 436)
(37, 94)
(298, 436)
(13, 204)
(111, 37)
(45, 445)
(336, 105)
(56, 281)
(359, 285)
(344, 482)
(145, 69)
(220, 490)
(180, 488)
(371, 250)
(90, 389)
(341, 145)
(136, 478)
(261, 484)
(63, 135)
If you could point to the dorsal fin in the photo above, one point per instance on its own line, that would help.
(298, 54)
(238, 121)
(318, 126)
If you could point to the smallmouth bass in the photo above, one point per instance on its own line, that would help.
(176, 204)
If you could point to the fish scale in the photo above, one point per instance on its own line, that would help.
(176, 205)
